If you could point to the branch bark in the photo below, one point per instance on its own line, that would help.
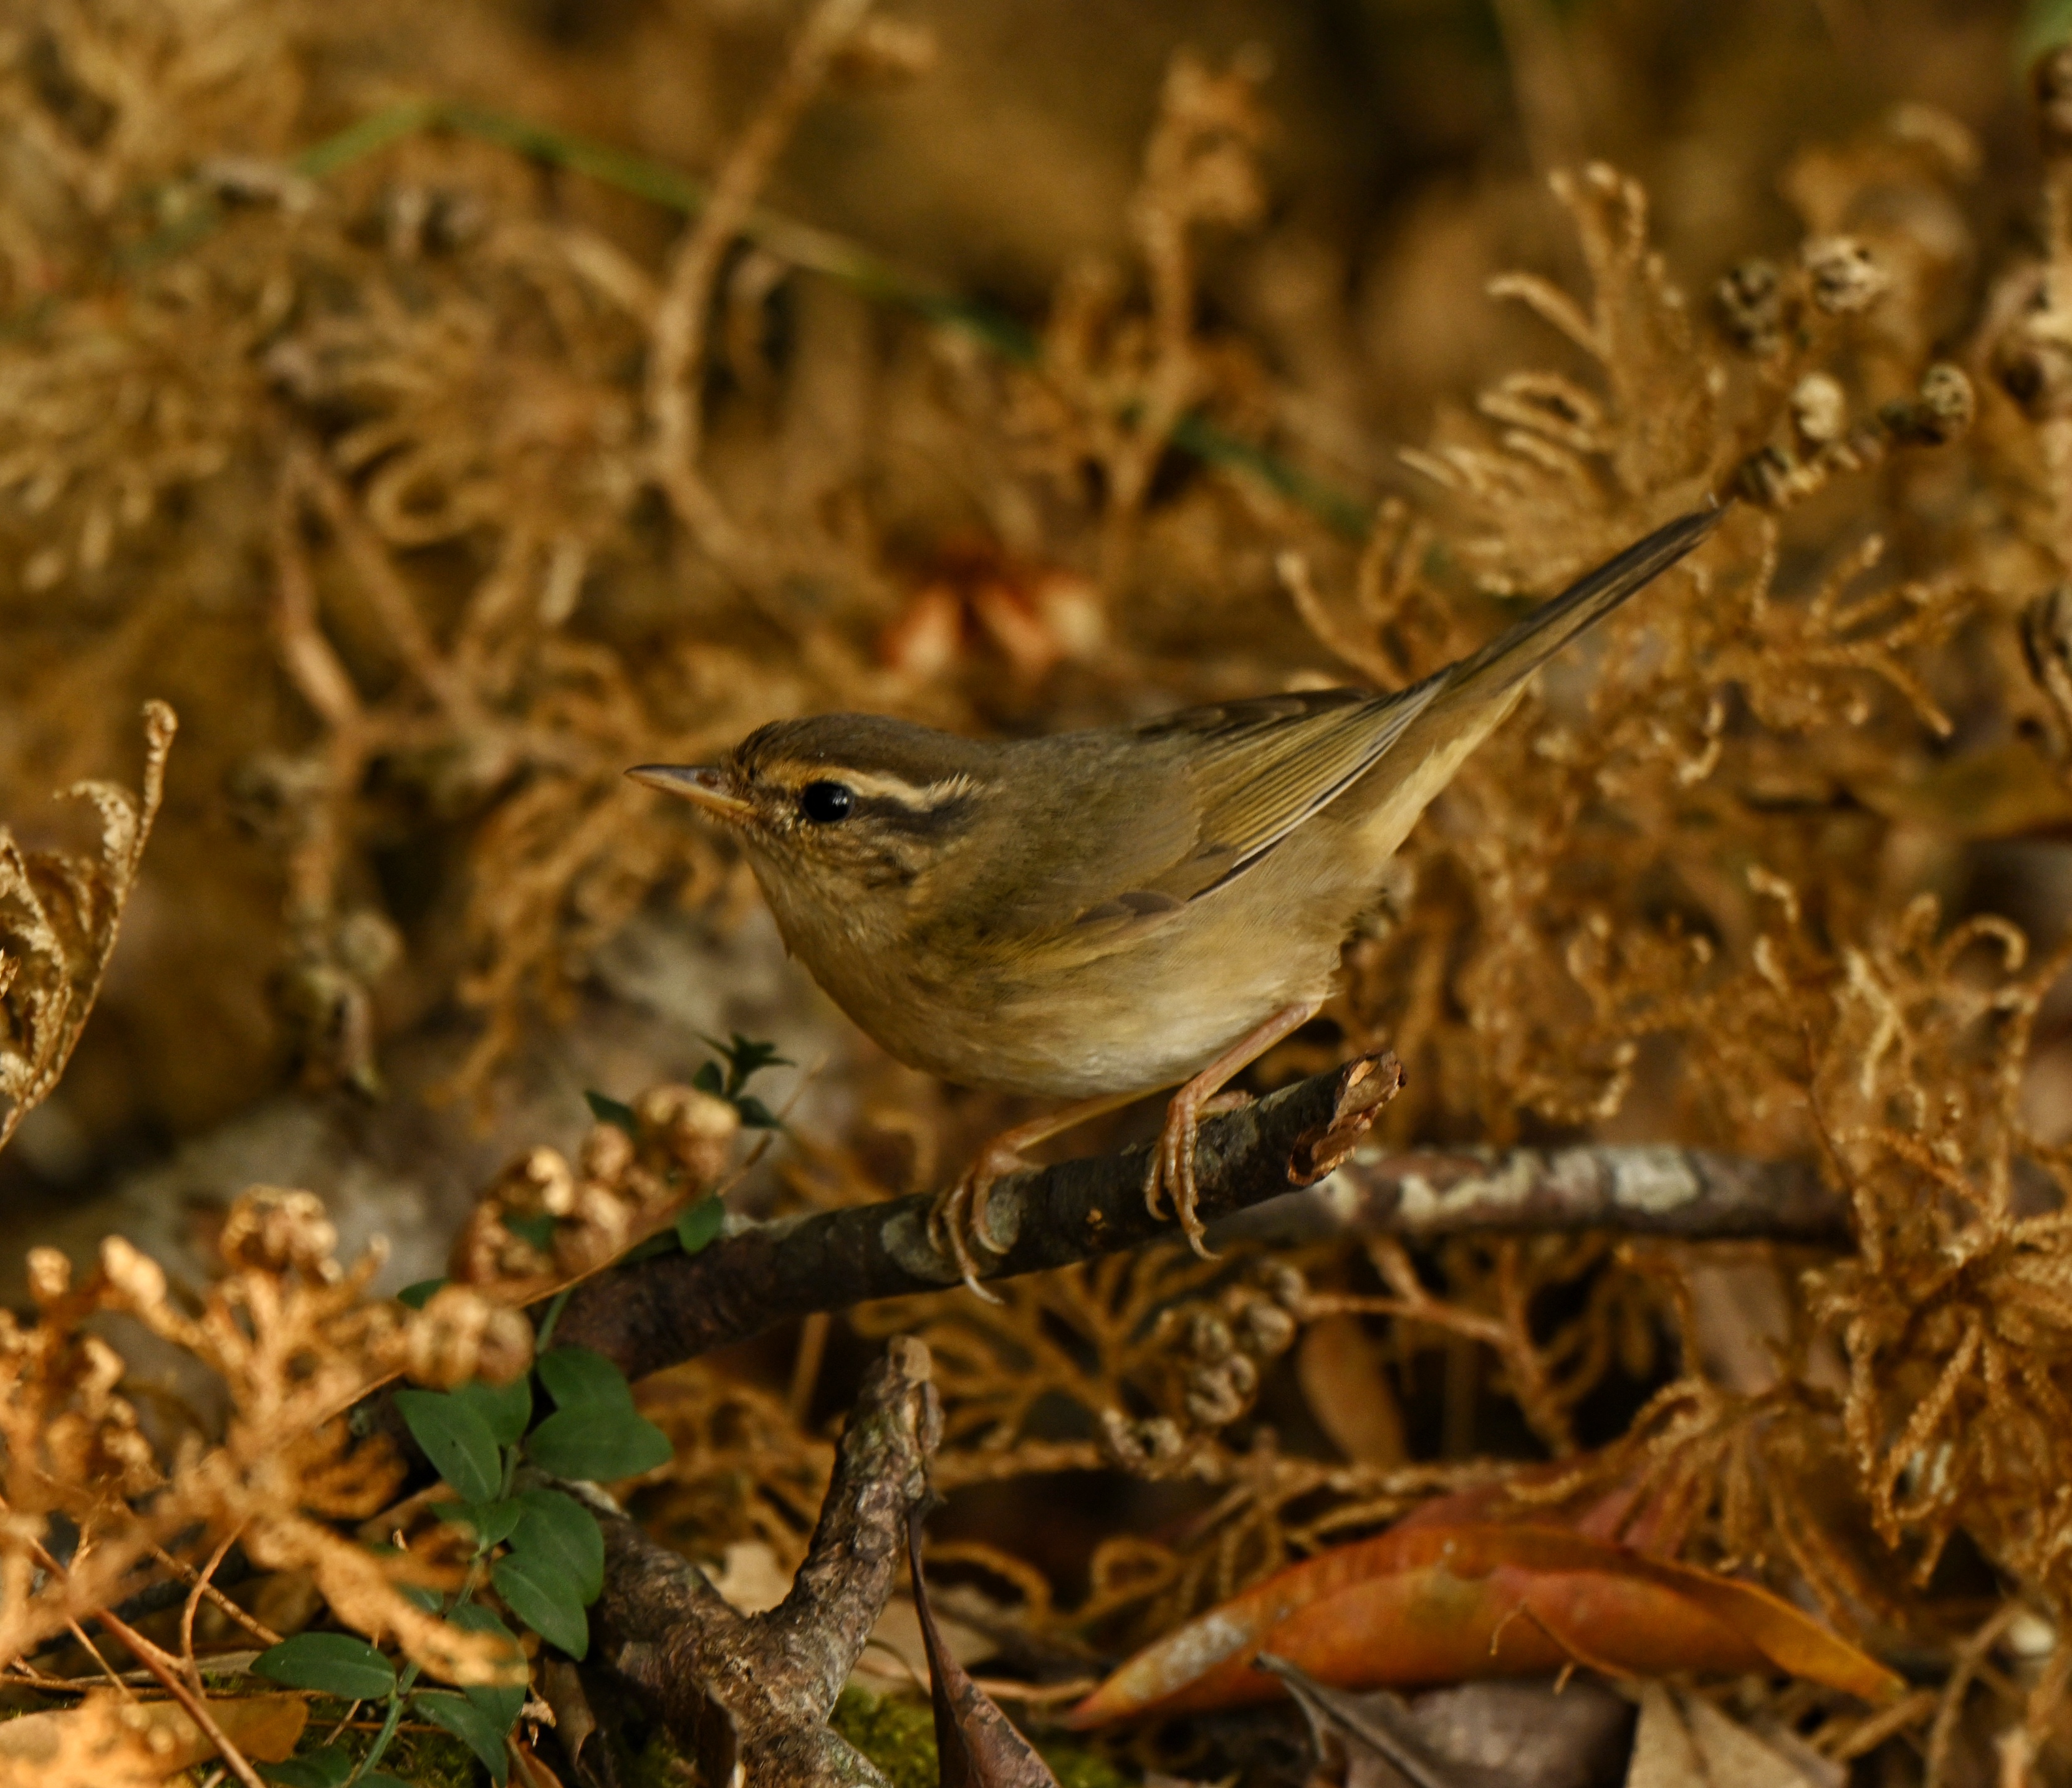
(654, 1312)
(1691, 1193)
(749, 1695)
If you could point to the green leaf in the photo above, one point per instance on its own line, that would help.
(700, 1224)
(536, 1231)
(417, 1296)
(327, 1768)
(602, 1444)
(745, 1056)
(332, 1663)
(555, 1529)
(595, 1431)
(456, 1440)
(500, 1703)
(544, 1602)
(755, 1115)
(474, 1727)
(471, 1617)
(611, 1110)
(581, 1378)
(708, 1080)
(492, 1522)
(498, 1706)
(506, 1408)
(380, 1778)
(425, 1596)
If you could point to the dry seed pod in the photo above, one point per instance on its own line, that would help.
(2033, 359)
(1217, 1395)
(1141, 1446)
(1846, 277)
(1285, 1285)
(1751, 304)
(1265, 1330)
(1209, 1337)
(1942, 412)
(1820, 411)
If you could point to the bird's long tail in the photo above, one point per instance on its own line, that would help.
(1472, 697)
(1514, 654)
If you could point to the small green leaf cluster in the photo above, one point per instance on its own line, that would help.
(744, 1059)
(341, 1665)
(741, 1059)
(540, 1549)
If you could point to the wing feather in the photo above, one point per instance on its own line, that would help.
(1259, 769)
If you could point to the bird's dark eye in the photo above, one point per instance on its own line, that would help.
(826, 802)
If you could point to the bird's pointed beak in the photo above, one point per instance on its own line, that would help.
(709, 787)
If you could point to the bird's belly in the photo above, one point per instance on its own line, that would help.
(1146, 1018)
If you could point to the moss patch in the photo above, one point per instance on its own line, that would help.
(897, 1733)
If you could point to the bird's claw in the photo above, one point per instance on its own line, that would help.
(956, 1220)
(1173, 1162)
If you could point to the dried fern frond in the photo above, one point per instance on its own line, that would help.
(1573, 471)
(293, 1341)
(60, 915)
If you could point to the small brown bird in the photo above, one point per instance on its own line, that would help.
(1095, 915)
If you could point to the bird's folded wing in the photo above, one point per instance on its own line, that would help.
(1259, 769)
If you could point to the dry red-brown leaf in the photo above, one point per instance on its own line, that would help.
(976, 1744)
(1431, 1602)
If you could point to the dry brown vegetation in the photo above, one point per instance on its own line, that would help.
(438, 472)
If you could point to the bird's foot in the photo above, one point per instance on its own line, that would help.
(1173, 1157)
(956, 1220)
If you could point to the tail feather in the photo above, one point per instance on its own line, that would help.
(1514, 655)
(1475, 694)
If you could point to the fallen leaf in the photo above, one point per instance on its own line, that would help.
(1567, 1731)
(976, 1744)
(896, 1657)
(531, 1769)
(1683, 1741)
(1381, 1727)
(1345, 1384)
(1428, 1603)
(751, 1577)
(574, 1721)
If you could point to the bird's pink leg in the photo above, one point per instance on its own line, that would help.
(1172, 1159)
(956, 1220)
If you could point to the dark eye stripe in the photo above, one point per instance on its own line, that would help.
(939, 820)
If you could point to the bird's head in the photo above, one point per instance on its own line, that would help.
(848, 819)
